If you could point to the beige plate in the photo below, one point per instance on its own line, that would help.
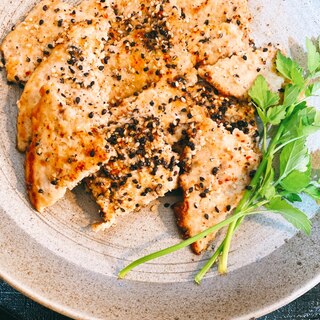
(56, 259)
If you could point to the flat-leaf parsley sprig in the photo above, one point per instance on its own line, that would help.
(287, 122)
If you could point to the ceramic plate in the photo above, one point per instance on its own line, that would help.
(57, 260)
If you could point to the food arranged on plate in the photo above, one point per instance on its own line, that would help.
(136, 99)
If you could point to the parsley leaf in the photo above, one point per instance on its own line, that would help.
(291, 94)
(261, 95)
(293, 215)
(289, 69)
(296, 181)
(313, 57)
(276, 114)
(292, 197)
(313, 191)
(294, 156)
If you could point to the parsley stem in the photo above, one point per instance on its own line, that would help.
(209, 264)
(264, 146)
(223, 263)
(178, 246)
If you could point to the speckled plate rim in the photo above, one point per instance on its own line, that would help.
(282, 281)
(74, 314)
(79, 293)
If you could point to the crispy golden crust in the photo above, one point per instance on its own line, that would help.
(144, 131)
(33, 39)
(217, 173)
(170, 43)
(64, 149)
(216, 180)
(233, 76)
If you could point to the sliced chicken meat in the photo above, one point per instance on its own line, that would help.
(75, 65)
(130, 64)
(212, 190)
(64, 148)
(147, 132)
(216, 175)
(32, 40)
(235, 75)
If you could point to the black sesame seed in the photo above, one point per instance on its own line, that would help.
(77, 100)
(54, 182)
(90, 115)
(217, 209)
(41, 22)
(244, 57)
(206, 216)
(101, 68)
(215, 171)
(248, 188)
(40, 191)
(45, 8)
(92, 153)
(119, 77)
(202, 195)
(252, 173)
(256, 134)
(167, 205)
(104, 111)
(60, 22)
(228, 207)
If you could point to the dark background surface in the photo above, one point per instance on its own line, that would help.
(14, 305)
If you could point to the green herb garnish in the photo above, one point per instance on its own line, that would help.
(287, 122)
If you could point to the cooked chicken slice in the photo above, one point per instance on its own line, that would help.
(74, 65)
(216, 180)
(230, 148)
(235, 75)
(66, 147)
(143, 130)
(209, 44)
(228, 145)
(47, 25)
(129, 65)
(144, 169)
(33, 39)
(71, 139)
(120, 71)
